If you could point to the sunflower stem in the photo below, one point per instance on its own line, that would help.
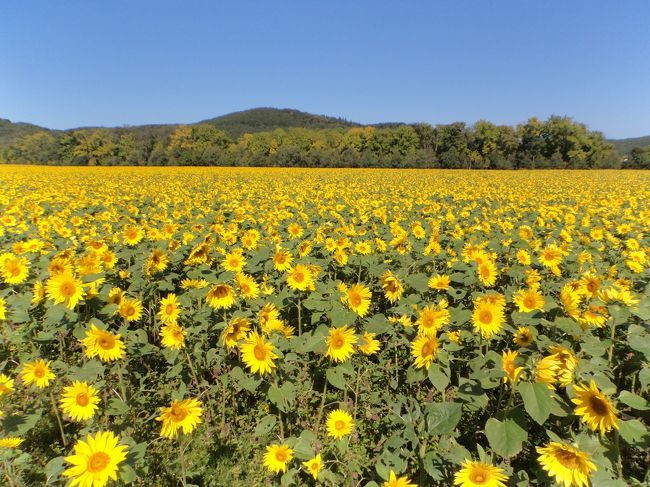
(121, 382)
(322, 407)
(58, 419)
(299, 315)
(181, 461)
(613, 338)
(617, 446)
(191, 365)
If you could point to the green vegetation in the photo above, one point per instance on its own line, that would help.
(272, 137)
(626, 146)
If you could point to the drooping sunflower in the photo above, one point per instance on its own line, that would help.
(523, 337)
(169, 310)
(370, 345)
(257, 354)
(528, 300)
(173, 336)
(339, 424)
(477, 474)
(79, 401)
(235, 331)
(395, 481)
(64, 288)
(392, 287)
(95, 460)
(104, 344)
(340, 343)
(509, 366)
(439, 282)
(432, 318)
(277, 457)
(182, 415)
(358, 299)
(424, 349)
(221, 296)
(569, 466)
(314, 465)
(299, 277)
(594, 408)
(38, 373)
(130, 309)
(487, 318)
(6, 385)
(557, 368)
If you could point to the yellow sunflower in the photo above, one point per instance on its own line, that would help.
(14, 270)
(358, 299)
(95, 460)
(314, 465)
(79, 401)
(370, 344)
(64, 288)
(235, 331)
(104, 344)
(339, 424)
(10, 442)
(528, 300)
(221, 296)
(594, 408)
(509, 366)
(393, 289)
(433, 318)
(523, 337)
(439, 282)
(247, 286)
(38, 373)
(130, 309)
(257, 354)
(182, 415)
(282, 260)
(487, 273)
(340, 343)
(6, 385)
(234, 261)
(569, 466)
(424, 349)
(132, 235)
(487, 318)
(277, 457)
(169, 309)
(299, 278)
(3, 307)
(173, 336)
(395, 481)
(477, 474)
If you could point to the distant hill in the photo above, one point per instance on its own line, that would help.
(625, 146)
(10, 131)
(269, 119)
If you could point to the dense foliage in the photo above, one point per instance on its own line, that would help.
(246, 326)
(557, 142)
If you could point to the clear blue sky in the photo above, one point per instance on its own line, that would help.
(77, 63)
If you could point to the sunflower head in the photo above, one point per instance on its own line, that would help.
(566, 463)
(340, 343)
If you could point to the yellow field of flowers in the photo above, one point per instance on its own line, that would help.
(350, 327)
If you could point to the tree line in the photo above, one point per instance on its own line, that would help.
(558, 142)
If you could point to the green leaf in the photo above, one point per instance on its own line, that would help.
(88, 372)
(53, 469)
(283, 396)
(538, 400)
(127, 474)
(19, 424)
(336, 377)
(634, 401)
(443, 417)
(438, 377)
(117, 407)
(506, 437)
(634, 432)
(266, 424)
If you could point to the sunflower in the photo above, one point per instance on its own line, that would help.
(557, 368)
(132, 235)
(523, 257)
(487, 318)
(424, 349)
(551, 256)
(299, 278)
(282, 260)
(487, 273)
(169, 309)
(594, 408)
(3, 307)
(357, 299)
(115, 296)
(14, 270)
(173, 336)
(569, 466)
(79, 401)
(370, 345)
(234, 261)
(433, 318)
(523, 337)
(393, 289)
(235, 331)
(439, 282)
(38, 373)
(157, 262)
(247, 286)
(10, 442)
(104, 344)
(339, 424)
(394, 481)
(269, 318)
(528, 300)
(130, 309)
(257, 354)
(477, 474)
(95, 460)
(6, 385)
(340, 343)
(314, 465)
(277, 457)
(185, 415)
(64, 288)
(221, 296)
(509, 367)
(454, 336)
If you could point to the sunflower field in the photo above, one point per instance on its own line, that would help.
(349, 327)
